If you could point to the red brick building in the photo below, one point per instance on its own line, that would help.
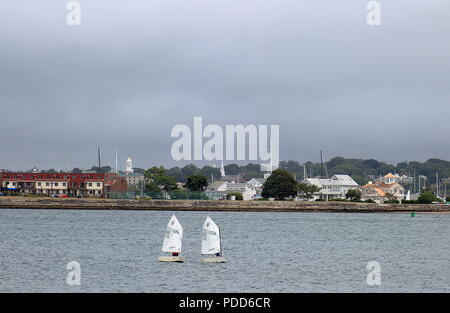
(72, 184)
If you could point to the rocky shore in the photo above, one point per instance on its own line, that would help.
(214, 205)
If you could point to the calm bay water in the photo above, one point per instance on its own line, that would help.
(266, 252)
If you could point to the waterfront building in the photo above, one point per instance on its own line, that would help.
(218, 185)
(217, 190)
(386, 189)
(401, 179)
(335, 187)
(248, 193)
(72, 184)
(257, 185)
(134, 179)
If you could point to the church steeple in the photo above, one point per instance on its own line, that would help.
(222, 170)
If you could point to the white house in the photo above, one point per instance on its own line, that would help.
(257, 184)
(217, 190)
(248, 193)
(217, 186)
(94, 187)
(335, 187)
(387, 189)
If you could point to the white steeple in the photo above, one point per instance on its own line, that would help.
(222, 170)
(117, 164)
(129, 166)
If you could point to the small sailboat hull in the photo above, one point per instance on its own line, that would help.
(214, 260)
(177, 259)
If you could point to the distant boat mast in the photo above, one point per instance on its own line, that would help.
(437, 185)
(323, 164)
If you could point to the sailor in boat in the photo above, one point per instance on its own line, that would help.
(174, 253)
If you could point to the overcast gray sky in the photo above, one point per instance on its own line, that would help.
(134, 69)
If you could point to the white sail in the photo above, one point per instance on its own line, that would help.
(173, 237)
(210, 237)
(408, 196)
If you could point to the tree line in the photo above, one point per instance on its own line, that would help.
(361, 170)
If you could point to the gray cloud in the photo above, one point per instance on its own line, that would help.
(135, 69)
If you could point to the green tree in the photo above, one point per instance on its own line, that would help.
(197, 183)
(177, 174)
(307, 190)
(280, 185)
(103, 169)
(190, 170)
(250, 171)
(353, 194)
(209, 171)
(156, 179)
(138, 170)
(427, 197)
(232, 169)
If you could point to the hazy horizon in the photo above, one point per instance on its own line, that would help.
(199, 164)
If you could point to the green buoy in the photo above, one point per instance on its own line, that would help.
(413, 214)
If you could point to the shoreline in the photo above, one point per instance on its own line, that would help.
(215, 205)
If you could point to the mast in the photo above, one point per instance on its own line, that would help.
(99, 164)
(323, 165)
(437, 185)
(220, 240)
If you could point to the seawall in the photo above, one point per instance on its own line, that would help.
(216, 205)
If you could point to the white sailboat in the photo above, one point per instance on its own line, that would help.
(211, 245)
(172, 241)
(408, 196)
